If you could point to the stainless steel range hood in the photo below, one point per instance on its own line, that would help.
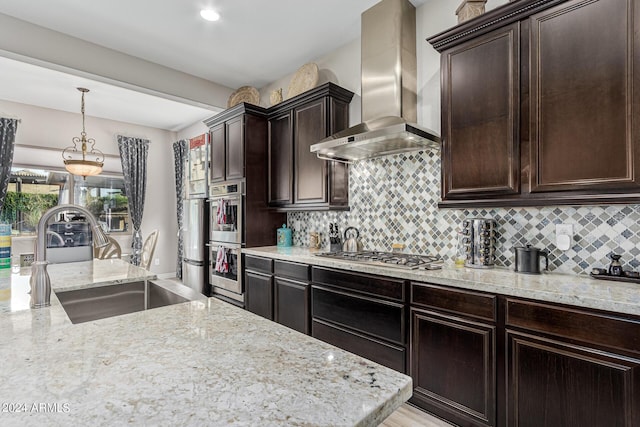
(388, 86)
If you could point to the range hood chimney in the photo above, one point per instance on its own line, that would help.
(388, 87)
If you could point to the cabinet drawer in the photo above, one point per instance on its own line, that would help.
(367, 284)
(456, 301)
(582, 325)
(264, 265)
(292, 270)
(382, 319)
(385, 354)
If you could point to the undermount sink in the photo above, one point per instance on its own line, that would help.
(84, 305)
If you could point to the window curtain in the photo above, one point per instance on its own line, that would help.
(133, 155)
(8, 128)
(180, 153)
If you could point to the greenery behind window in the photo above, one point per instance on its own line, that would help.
(32, 191)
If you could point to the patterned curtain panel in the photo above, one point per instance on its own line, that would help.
(180, 153)
(8, 128)
(133, 155)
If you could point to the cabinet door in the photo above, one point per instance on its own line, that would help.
(453, 367)
(281, 160)
(584, 79)
(259, 293)
(218, 153)
(291, 305)
(310, 126)
(235, 148)
(339, 183)
(338, 172)
(551, 383)
(480, 116)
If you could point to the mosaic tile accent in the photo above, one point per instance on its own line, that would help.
(394, 200)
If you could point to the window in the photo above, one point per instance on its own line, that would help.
(32, 191)
(104, 197)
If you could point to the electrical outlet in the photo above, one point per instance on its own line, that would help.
(26, 260)
(564, 236)
(564, 229)
(157, 261)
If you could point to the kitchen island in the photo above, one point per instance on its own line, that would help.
(197, 363)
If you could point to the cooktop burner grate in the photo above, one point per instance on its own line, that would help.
(388, 259)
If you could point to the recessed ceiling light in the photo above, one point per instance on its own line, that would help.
(209, 14)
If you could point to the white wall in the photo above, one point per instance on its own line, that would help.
(196, 129)
(44, 127)
(342, 66)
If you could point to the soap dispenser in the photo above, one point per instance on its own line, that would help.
(283, 237)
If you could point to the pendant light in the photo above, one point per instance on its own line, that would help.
(82, 162)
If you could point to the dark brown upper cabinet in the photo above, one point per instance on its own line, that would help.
(239, 152)
(298, 180)
(538, 105)
(231, 132)
(235, 147)
(281, 159)
(480, 116)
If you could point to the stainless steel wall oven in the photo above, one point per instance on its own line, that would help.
(226, 239)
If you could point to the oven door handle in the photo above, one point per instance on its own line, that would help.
(227, 198)
(213, 245)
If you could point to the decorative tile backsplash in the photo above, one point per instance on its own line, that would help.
(394, 199)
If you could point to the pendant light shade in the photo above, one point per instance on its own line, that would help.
(82, 162)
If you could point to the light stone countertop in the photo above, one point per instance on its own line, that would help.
(196, 363)
(14, 285)
(577, 290)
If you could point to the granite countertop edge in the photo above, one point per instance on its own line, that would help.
(575, 290)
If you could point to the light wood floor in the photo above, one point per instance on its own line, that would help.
(408, 416)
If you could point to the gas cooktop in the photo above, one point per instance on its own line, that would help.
(388, 259)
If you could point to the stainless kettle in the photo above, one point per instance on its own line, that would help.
(351, 243)
(528, 259)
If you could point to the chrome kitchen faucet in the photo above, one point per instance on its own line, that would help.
(40, 282)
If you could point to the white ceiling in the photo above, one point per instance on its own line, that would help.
(43, 87)
(255, 43)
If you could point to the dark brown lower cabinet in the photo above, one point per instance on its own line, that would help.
(387, 354)
(453, 368)
(292, 304)
(259, 293)
(571, 367)
(552, 383)
(476, 359)
(292, 294)
(453, 354)
(362, 314)
(278, 290)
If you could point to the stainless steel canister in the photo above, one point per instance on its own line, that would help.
(480, 241)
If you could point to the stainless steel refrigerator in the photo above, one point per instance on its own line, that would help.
(194, 236)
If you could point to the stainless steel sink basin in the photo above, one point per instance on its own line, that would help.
(84, 305)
